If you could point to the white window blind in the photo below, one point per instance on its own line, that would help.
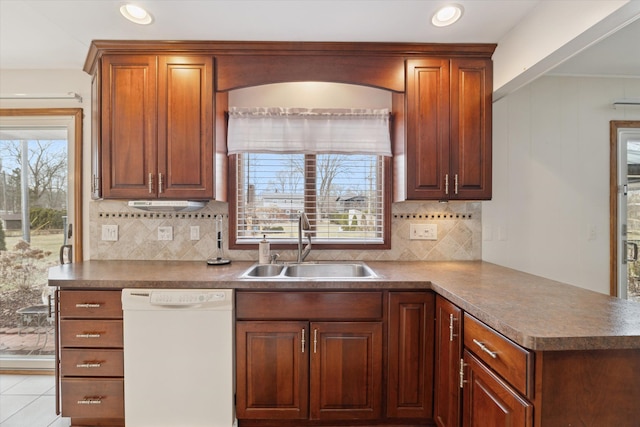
(342, 195)
(311, 131)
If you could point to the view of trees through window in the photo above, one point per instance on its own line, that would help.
(340, 193)
(33, 178)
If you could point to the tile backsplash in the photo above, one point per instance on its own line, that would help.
(459, 234)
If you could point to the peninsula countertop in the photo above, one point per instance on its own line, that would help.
(537, 313)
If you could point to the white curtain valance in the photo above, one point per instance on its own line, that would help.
(309, 131)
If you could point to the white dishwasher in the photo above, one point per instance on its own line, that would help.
(178, 357)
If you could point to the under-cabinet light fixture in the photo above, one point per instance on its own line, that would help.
(625, 102)
(67, 95)
(136, 14)
(447, 15)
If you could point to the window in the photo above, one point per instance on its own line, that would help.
(342, 194)
(341, 189)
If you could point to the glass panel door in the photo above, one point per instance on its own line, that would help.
(629, 213)
(34, 209)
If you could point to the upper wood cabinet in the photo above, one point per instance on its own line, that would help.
(156, 126)
(448, 110)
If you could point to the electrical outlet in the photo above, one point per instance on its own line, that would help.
(165, 233)
(110, 233)
(423, 232)
(195, 232)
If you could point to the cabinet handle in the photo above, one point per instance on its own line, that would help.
(315, 341)
(462, 380)
(88, 365)
(150, 183)
(88, 305)
(455, 183)
(303, 341)
(94, 400)
(89, 335)
(485, 349)
(159, 183)
(446, 183)
(451, 320)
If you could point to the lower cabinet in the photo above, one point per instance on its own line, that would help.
(89, 365)
(447, 362)
(318, 358)
(490, 401)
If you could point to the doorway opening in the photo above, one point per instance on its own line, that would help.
(625, 209)
(40, 213)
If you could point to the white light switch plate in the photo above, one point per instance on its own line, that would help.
(165, 233)
(110, 233)
(423, 232)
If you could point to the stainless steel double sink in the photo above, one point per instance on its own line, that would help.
(310, 271)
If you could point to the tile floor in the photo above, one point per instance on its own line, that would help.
(29, 401)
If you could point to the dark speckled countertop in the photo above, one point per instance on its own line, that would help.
(537, 313)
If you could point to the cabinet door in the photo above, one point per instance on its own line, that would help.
(489, 401)
(128, 126)
(447, 372)
(185, 127)
(471, 91)
(410, 355)
(427, 91)
(346, 370)
(272, 370)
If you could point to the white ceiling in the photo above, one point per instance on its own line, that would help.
(56, 34)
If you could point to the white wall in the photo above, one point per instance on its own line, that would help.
(551, 178)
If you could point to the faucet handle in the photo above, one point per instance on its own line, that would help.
(274, 257)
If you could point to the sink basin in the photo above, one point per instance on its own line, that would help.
(329, 270)
(309, 271)
(264, 270)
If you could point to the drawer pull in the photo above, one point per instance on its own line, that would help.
(88, 305)
(89, 365)
(95, 400)
(89, 335)
(485, 349)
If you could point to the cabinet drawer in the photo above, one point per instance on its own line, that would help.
(308, 305)
(92, 398)
(91, 363)
(91, 333)
(90, 304)
(512, 362)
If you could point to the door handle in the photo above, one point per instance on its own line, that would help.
(634, 251)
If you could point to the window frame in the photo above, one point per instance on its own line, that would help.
(310, 194)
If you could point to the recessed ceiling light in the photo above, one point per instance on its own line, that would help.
(447, 15)
(136, 14)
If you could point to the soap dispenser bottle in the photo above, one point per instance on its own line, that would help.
(264, 251)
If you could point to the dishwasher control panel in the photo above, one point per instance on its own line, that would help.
(184, 297)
